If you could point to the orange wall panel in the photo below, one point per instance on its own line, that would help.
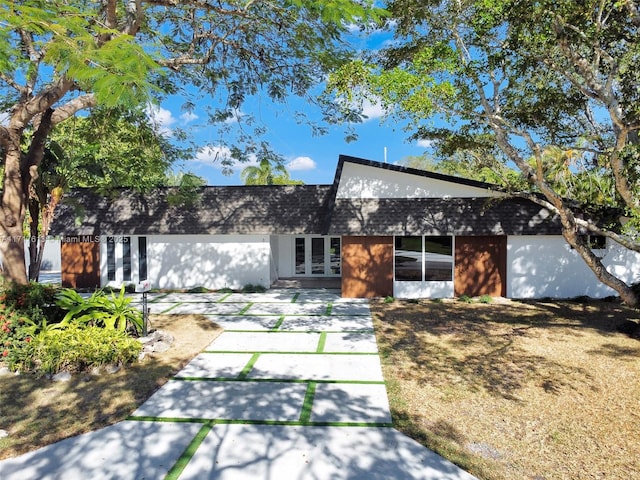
(80, 263)
(367, 267)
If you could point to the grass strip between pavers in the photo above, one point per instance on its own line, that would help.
(164, 295)
(189, 452)
(278, 324)
(329, 309)
(247, 307)
(247, 368)
(295, 297)
(220, 300)
(175, 305)
(307, 404)
(284, 423)
(321, 342)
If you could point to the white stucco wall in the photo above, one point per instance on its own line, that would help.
(423, 289)
(545, 266)
(361, 181)
(186, 261)
(51, 257)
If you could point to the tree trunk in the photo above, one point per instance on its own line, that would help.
(12, 214)
(34, 244)
(569, 231)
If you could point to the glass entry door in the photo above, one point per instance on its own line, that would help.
(317, 256)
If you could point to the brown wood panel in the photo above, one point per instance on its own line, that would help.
(367, 267)
(80, 263)
(481, 266)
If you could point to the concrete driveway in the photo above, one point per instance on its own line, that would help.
(292, 389)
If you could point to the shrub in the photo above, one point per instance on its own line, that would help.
(485, 299)
(74, 348)
(108, 311)
(198, 290)
(389, 299)
(32, 300)
(251, 288)
(465, 299)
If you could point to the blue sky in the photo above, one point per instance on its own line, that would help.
(309, 158)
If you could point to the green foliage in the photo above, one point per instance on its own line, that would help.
(485, 299)
(465, 299)
(64, 58)
(198, 290)
(110, 312)
(73, 348)
(251, 288)
(389, 299)
(548, 87)
(108, 149)
(34, 336)
(267, 174)
(185, 190)
(34, 301)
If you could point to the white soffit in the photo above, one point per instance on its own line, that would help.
(364, 181)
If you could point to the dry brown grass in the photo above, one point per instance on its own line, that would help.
(37, 411)
(538, 390)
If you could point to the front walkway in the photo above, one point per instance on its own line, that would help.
(292, 389)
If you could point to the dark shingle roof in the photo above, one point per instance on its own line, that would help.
(301, 209)
(438, 216)
(298, 209)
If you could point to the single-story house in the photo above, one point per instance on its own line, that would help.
(379, 230)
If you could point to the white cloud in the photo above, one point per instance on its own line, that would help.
(213, 155)
(301, 163)
(219, 156)
(162, 118)
(424, 143)
(187, 117)
(372, 110)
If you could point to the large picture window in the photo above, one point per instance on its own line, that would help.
(111, 259)
(427, 258)
(438, 259)
(408, 258)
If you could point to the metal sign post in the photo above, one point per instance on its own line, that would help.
(143, 287)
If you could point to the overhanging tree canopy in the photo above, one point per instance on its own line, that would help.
(60, 58)
(549, 86)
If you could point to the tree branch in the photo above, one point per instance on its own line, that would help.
(72, 107)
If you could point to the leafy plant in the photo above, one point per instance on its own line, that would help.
(485, 299)
(101, 310)
(465, 299)
(389, 299)
(33, 300)
(74, 348)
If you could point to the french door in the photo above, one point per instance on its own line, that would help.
(317, 256)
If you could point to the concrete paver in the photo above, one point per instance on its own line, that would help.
(350, 402)
(333, 367)
(326, 323)
(266, 342)
(210, 400)
(354, 342)
(125, 451)
(239, 452)
(216, 365)
(245, 322)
